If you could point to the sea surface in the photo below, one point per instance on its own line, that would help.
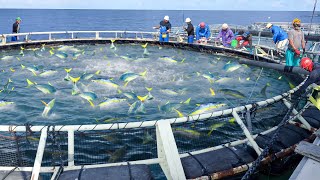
(182, 81)
(142, 20)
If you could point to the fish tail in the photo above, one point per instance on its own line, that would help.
(179, 113)
(9, 80)
(145, 45)
(98, 72)
(212, 92)
(187, 101)
(68, 70)
(30, 83)
(143, 73)
(74, 80)
(183, 60)
(209, 133)
(44, 103)
(113, 40)
(91, 103)
(34, 73)
(22, 66)
(125, 85)
(149, 89)
(142, 99)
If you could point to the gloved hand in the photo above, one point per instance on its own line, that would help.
(304, 50)
(297, 51)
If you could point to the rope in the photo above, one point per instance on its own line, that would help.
(129, 169)
(314, 9)
(255, 84)
(9, 173)
(80, 172)
(203, 169)
(274, 138)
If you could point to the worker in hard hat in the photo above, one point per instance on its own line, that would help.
(190, 30)
(165, 27)
(314, 76)
(280, 37)
(296, 44)
(202, 33)
(225, 35)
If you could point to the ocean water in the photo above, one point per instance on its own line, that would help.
(174, 75)
(142, 20)
(170, 78)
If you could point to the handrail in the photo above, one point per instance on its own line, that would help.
(69, 32)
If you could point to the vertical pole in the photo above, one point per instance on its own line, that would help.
(70, 147)
(259, 36)
(295, 112)
(168, 154)
(50, 37)
(248, 119)
(4, 39)
(97, 35)
(40, 151)
(246, 132)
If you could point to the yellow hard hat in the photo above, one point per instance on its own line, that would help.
(296, 21)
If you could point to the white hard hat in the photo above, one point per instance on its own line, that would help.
(188, 20)
(166, 18)
(225, 26)
(268, 25)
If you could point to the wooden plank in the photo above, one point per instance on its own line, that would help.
(309, 150)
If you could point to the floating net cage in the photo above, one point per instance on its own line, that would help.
(212, 145)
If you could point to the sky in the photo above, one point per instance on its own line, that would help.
(258, 5)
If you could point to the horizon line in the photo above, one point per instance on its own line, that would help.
(156, 9)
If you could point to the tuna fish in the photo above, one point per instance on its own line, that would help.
(229, 67)
(127, 77)
(5, 103)
(45, 88)
(233, 93)
(89, 96)
(111, 101)
(47, 107)
(207, 108)
(107, 82)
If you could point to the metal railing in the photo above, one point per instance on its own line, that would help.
(72, 35)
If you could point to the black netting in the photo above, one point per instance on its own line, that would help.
(192, 136)
(56, 150)
(17, 149)
(111, 146)
(266, 117)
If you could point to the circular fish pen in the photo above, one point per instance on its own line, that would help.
(129, 107)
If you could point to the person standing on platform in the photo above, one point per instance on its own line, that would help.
(16, 29)
(165, 28)
(296, 44)
(190, 30)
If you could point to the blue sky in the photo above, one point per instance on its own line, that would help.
(274, 5)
